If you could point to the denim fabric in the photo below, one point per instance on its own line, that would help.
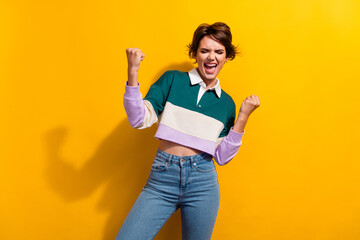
(186, 182)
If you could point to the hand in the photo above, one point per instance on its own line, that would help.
(134, 57)
(249, 105)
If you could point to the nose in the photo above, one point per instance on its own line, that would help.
(211, 56)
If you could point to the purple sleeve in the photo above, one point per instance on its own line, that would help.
(134, 105)
(228, 147)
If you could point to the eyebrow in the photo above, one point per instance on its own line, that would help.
(215, 49)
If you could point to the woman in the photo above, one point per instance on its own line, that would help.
(196, 124)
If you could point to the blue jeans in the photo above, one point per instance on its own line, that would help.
(189, 183)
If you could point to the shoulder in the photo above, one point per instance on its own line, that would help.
(227, 98)
(174, 76)
(229, 103)
(175, 73)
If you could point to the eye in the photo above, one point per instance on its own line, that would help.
(219, 51)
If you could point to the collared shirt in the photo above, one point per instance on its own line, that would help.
(195, 78)
(171, 100)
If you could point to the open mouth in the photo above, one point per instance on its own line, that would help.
(210, 67)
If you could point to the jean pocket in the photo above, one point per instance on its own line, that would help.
(159, 165)
(204, 166)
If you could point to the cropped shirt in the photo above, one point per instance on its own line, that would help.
(186, 114)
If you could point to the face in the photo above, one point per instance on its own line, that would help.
(211, 57)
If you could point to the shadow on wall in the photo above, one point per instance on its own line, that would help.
(123, 160)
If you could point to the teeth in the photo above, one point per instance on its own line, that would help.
(210, 65)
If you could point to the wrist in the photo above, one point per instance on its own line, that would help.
(132, 77)
(133, 70)
(240, 123)
(242, 117)
(238, 127)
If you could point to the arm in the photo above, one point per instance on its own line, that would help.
(134, 56)
(229, 146)
(140, 113)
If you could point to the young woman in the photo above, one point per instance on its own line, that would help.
(196, 124)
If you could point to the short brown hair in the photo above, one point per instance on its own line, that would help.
(220, 31)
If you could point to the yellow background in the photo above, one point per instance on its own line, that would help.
(71, 165)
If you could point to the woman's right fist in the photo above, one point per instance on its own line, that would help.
(134, 56)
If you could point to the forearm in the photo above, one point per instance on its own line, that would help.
(228, 147)
(141, 114)
(134, 56)
(132, 77)
(240, 123)
(135, 108)
(134, 105)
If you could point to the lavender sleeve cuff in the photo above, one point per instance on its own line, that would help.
(228, 147)
(134, 106)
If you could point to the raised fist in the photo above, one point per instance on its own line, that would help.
(249, 105)
(134, 56)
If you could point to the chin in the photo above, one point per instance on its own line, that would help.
(207, 76)
(210, 77)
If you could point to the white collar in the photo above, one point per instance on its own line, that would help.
(195, 78)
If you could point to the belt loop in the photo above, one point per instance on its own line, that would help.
(169, 159)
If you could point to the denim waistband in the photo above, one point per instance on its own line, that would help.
(176, 158)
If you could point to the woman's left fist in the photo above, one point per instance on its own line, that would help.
(249, 105)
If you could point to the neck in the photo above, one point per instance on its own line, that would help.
(208, 83)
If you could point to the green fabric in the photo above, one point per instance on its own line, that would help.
(175, 87)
